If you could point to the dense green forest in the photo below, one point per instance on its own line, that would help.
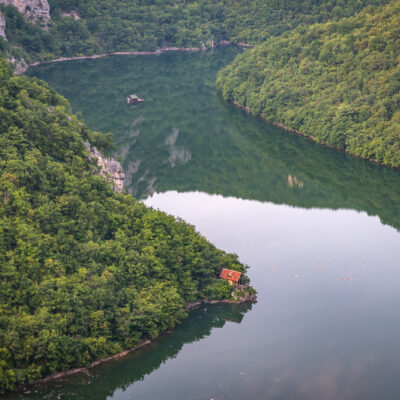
(84, 272)
(107, 25)
(338, 82)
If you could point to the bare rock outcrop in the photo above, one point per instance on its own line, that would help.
(35, 10)
(2, 27)
(71, 13)
(109, 168)
(20, 66)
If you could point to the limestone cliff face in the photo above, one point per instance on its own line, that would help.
(34, 10)
(109, 168)
(2, 26)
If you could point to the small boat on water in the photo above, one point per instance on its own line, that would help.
(133, 99)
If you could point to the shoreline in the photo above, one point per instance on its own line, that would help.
(117, 53)
(311, 137)
(162, 50)
(25, 388)
(78, 370)
(240, 300)
(21, 71)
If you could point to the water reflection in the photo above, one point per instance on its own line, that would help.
(184, 137)
(326, 325)
(117, 376)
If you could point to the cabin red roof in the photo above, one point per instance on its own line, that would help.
(230, 275)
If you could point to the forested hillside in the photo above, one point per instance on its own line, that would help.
(338, 82)
(106, 25)
(84, 272)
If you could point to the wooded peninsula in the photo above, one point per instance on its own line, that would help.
(84, 272)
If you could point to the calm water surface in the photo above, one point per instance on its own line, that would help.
(319, 229)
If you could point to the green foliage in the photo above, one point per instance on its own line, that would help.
(220, 289)
(84, 272)
(129, 25)
(65, 37)
(338, 82)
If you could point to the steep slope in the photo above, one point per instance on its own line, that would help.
(37, 11)
(338, 82)
(84, 272)
(2, 27)
(122, 25)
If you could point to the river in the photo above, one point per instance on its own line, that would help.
(318, 228)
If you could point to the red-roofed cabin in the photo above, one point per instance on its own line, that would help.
(231, 276)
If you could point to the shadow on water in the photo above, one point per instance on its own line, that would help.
(186, 138)
(101, 382)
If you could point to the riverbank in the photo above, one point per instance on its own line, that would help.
(74, 371)
(114, 53)
(249, 297)
(22, 69)
(297, 132)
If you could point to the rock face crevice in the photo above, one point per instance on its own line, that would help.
(35, 10)
(109, 168)
(2, 26)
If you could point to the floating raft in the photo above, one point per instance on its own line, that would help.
(133, 99)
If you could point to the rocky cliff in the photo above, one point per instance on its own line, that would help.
(35, 10)
(109, 168)
(2, 26)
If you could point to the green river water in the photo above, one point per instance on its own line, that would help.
(319, 230)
